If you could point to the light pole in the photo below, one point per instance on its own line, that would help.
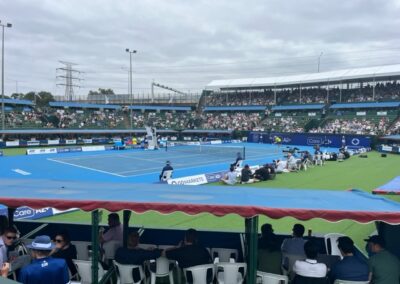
(130, 79)
(319, 60)
(3, 115)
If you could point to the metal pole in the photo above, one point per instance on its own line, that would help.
(95, 246)
(251, 225)
(130, 86)
(126, 217)
(319, 60)
(3, 116)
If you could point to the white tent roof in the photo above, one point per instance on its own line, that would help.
(310, 78)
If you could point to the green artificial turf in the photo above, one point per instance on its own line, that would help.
(365, 174)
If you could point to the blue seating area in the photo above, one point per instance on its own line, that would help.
(17, 102)
(161, 108)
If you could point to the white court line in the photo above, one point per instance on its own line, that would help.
(87, 168)
(21, 172)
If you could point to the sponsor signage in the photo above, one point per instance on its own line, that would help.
(92, 148)
(33, 143)
(190, 180)
(26, 212)
(87, 141)
(215, 177)
(12, 143)
(70, 142)
(53, 142)
(383, 113)
(216, 141)
(278, 114)
(312, 114)
(361, 113)
(387, 148)
(41, 151)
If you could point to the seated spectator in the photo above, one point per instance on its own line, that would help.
(132, 254)
(167, 167)
(294, 245)
(189, 253)
(281, 166)
(291, 163)
(351, 267)
(310, 267)
(238, 160)
(64, 249)
(6, 240)
(269, 255)
(114, 232)
(44, 269)
(247, 176)
(384, 267)
(264, 173)
(231, 177)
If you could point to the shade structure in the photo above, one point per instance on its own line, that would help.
(275, 203)
(392, 187)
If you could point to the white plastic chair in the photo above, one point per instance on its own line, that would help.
(81, 249)
(331, 244)
(167, 175)
(270, 278)
(230, 273)
(162, 269)
(337, 281)
(199, 274)
(224, 254)
(84, 268)
(125, 273)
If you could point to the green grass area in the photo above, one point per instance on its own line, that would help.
(365, 174)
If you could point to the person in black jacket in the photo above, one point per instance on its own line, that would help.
(64, 249)
(133, 254)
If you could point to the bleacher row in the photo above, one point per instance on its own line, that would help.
(311, 110)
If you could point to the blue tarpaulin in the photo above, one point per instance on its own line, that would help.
(392, 187)
(218, 200)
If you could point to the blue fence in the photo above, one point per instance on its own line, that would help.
(312, 139)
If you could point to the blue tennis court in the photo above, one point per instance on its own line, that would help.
(136, 165)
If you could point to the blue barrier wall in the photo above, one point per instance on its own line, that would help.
(312, 139)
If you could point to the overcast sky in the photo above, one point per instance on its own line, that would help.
(187, 43)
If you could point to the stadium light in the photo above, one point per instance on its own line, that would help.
(3, 116)
(130, 79)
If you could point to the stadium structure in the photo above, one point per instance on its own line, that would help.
(343, 109)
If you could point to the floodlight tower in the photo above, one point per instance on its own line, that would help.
(130, 85)
(3, 115)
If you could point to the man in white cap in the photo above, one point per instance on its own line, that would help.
(44, 269)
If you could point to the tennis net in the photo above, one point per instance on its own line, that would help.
(212, 150)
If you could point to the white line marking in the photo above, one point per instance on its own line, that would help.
(21, 172)
(87, 168)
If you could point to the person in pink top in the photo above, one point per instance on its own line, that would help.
(114, 232)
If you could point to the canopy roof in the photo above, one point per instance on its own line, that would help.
(392, 187)
(218, 200)
(298, 107)
(387, 72)
(365, 105)
(83, 105)
(391, 137)
(17, 102)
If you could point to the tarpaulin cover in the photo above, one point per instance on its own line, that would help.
(218, 200)
(392, 187)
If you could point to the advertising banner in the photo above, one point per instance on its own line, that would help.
(92, 148)
(190, 180)
(41, 151)
(70, 141)
(87, 141)
(53, 142)
(14, 143)
(312, 139)
(33, 143)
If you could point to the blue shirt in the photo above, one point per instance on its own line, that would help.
(350, 268)
(45, 271)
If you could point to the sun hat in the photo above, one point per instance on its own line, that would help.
(41, 243)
